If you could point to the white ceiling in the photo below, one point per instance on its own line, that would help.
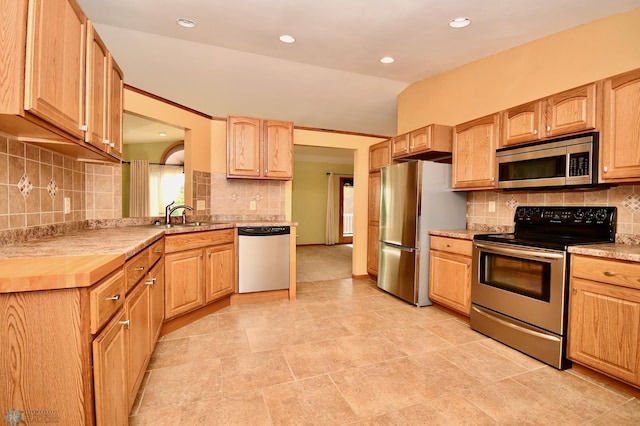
(233, 63)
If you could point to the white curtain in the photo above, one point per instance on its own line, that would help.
(139, 189)
(330, 226)
(166, 184)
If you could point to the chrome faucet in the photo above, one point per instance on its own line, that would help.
(168, 210)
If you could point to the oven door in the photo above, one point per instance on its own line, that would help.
(524, 283)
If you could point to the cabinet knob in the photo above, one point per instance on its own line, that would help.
(106, 141)
(84, 127)
(151, 282)
(266, 171)
(574, 291)
(257, 170)
(127, 324)
(114, 298)
(535, 131)
(112, 145)
(605, 169)
(548, 128)
(609, 274)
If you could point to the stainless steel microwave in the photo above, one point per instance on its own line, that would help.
(569, 161)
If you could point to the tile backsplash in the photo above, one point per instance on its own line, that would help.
(625, 197)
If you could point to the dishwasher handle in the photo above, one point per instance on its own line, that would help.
(262, 231)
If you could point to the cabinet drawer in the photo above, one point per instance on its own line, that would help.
(136, 268)
(156, 251)
(105, 299)
(194, 240)
(452, 245)
(616, 272)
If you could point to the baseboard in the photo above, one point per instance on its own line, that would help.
(258, 297)
(362, 277)
(179, 322)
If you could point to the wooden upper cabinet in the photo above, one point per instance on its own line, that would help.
(474, 153)
(400, 145)
(570, 111)
(115, 108)
(278, 149)
(434, 138)
(620, 136)
(522, 124)
(55, 64)
(259, 149)
(96, 93)
(379, 155)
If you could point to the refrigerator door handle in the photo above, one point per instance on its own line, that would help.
(399, 247)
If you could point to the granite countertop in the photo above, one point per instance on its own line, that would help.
(612, 251)
(465, 234)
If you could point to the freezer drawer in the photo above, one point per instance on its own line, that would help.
(263, 259)
(397, 267)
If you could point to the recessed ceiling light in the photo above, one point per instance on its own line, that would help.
(186, 23)
(387, 60)
(163, 134)
(286, 38)
(459, 22)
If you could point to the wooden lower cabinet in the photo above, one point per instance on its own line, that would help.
(372, 249)
(200, 267)
(604, 317)
(219, 271)
(156, 300)
(110, 373)
(184, 274)
(450, 273)
(138, 310)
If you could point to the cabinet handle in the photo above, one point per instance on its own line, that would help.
(574, 291)
(548, 128)
(257, 170)
(116, 297)
(112, 144)
(127, 324)
(84, 127)
(158, 251)
(266, 171)
(448, 245)
(609, 274)
(141, 268)
(605, 169)
(535, 131)
(151, 282)
(210, 254)
(106, 141)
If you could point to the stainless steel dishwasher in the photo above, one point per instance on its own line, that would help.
(263, 258)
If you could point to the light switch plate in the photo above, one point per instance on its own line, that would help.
(492, 206)
(252, 205)
(67, 205)
(200, 205)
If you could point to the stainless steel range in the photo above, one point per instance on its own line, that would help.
(519, 280)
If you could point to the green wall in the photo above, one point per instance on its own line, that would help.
(309, 199)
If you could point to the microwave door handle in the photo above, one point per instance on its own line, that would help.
(520, 252)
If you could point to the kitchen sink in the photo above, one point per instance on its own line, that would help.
(178, 225)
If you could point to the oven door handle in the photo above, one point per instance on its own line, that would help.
(520, 252)
(514, 326)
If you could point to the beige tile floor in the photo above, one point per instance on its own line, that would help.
(347, 353)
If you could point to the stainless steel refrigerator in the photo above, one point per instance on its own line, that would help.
(415, 197)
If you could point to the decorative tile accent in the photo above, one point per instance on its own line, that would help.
(512, 203)
(257, 197)
(52, 188)
(632, 202)
(234, 197)
(25, 186)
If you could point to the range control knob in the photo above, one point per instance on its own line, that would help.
(578, 214)
(601, 214)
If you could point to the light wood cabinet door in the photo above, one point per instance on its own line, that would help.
(55, 64)
(373, 237)
(522, 124)
(110, 373)
(450, 280)
(183, 282)
(278, 149)
(604, 328)
(570, 111)
(138, 313)
(374, 198)
(115, 107)
(220, 271)
(155, 281)
(96, 90)
(474, 153)
(379, 156)
(243, 146)
(619, 146)
(400, 145)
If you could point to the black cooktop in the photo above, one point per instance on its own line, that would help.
(557, 228)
